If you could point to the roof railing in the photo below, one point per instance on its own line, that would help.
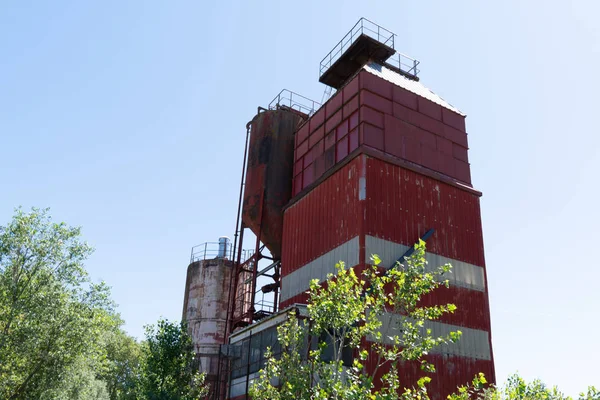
(404, 63)
(362, 27)
(295, 101)
(214, 250)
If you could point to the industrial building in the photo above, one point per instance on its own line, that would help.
(382, 163)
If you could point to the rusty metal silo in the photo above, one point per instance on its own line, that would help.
(269, 172)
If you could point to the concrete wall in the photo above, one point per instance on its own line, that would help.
(205, 309)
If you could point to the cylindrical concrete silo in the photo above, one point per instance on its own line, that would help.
(205, 309)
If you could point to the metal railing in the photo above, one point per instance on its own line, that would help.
(362, 27)
(294, 101)
(404, 63)
(212, 250)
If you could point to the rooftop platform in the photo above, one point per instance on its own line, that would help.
(365, 42)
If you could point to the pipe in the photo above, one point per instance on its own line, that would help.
(236, 262)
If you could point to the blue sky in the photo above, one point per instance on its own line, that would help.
(128, 118)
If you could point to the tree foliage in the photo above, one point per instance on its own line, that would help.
(346, 311)
(169, 370)
(51, 314)
(516, 388)
(60, 337)
(349, 309)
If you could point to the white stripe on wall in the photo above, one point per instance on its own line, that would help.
(463, 274)
(474, 343)
(298, 281)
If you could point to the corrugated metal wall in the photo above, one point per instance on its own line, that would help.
(414, 176)
(326, 217)
(402, 205)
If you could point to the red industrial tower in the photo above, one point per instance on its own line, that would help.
(381, 164)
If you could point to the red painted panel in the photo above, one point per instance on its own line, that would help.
(404, 97)
(353, 140)
(329, 140)
(415, 204)
(412, 150)
(456, 136)
(453, 119)
(333, 104)
(376, 102)
(324, 218)
(316, 136)
(317, 119)
(417, 119)
(371, 116)
(317, 150)
(429, 157)
(342, 130)
(460, 152)
(333, 121)
(350, 89)
(473, 310)
(376, 84)
(430, 108)
(330, 157)
(298, 183)
(353, 120)
(298, 166)
(372, 136)
(428, 123)
(446, 164)
(443, 145)
(308, 176)
(451, 372)
(302, 149)
(350, 107)
(427, 139)
(302, 134)
(342, 149)
(462, 170)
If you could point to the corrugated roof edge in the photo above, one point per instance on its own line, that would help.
(413, 86)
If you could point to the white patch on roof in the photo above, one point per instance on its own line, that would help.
(412, 86)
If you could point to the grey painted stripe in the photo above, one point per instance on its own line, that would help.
(473, 343)
(463, 274)
(298, 281)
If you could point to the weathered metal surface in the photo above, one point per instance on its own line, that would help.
(269, 175)
(411, 85)
(205, 309)
(298, 281)
(326, 217)
(402, 205)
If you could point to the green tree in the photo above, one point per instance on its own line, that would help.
(345, 311)
(51, 315)
(169, 369)
(516, 388)
(122, 366)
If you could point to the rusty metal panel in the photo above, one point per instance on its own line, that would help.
(451, 371)
(411, 85)
(402, 205)
(326, 217)
(269, 175)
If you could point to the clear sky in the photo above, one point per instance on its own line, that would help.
(128, 118)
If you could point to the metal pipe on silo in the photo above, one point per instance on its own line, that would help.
(224, 247)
